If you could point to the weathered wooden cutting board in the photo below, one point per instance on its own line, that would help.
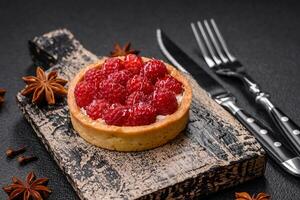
(215, 151)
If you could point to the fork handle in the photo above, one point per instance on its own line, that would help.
(290, 129)
(264, 135)
(282, 155)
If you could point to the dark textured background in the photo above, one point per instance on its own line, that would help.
(265, 35)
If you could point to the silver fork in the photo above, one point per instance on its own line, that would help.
(218, 57)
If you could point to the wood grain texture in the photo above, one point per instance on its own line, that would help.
(215, 151)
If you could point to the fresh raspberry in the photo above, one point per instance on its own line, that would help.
(114, 105)
(154, 69)
(165, 102)
(84, 93)
(136, 97)
(97, 108)
(116, 115)
(94, 76)
(133, 63)
(120, 77)
(112, 92)
(141, 114)
(169, 83)
(139, 83)
(112, 65)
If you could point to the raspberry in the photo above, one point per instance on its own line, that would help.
(165, 102)
(116, 115)
(112, 92)
(133, 63)
(97, 108)
(136, 97)
(120, 77)
(112, 65)
(84, 93)
(154, 69)
(141, 114)
(94, 76)
(139, 83)
(169, 83)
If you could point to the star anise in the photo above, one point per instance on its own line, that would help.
(246, 196)
(44, 86)
(2, 93)
(119, 51)
(32, 189)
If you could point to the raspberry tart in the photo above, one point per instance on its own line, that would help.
(129, 103)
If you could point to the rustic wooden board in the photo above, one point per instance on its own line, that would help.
(215, 151)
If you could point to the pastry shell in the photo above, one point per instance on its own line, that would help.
(130, 138)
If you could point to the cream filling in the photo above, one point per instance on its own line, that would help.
(158, 117)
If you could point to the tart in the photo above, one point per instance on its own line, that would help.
(129, 103)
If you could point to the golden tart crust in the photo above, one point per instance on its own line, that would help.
(130, 138)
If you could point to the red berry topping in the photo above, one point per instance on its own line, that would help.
(94, 76)
(116, 115)
(97, 108)
(165, 102)
(112, 65)
(129, 92)
(136, 98)
(120, 77)
(141, 114)
(169, 83)
(139, 83)
(84, 93)
(154, 69)
(112, 92)
(133, 63)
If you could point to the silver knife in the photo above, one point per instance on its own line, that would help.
(274, 147)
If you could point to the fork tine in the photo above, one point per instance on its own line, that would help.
(202, 47)
(208, 44)
(222, 41)
(215, 43)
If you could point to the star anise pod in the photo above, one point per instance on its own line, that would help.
(32, 189)
(246, 196)
(2, 93)
(44, 86)
(119, 51)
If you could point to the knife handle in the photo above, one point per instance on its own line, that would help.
(290, 129)
(274, 147)
(264, 135)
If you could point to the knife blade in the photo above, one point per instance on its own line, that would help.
(273, 146)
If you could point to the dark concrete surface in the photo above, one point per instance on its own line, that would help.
(265, 35)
